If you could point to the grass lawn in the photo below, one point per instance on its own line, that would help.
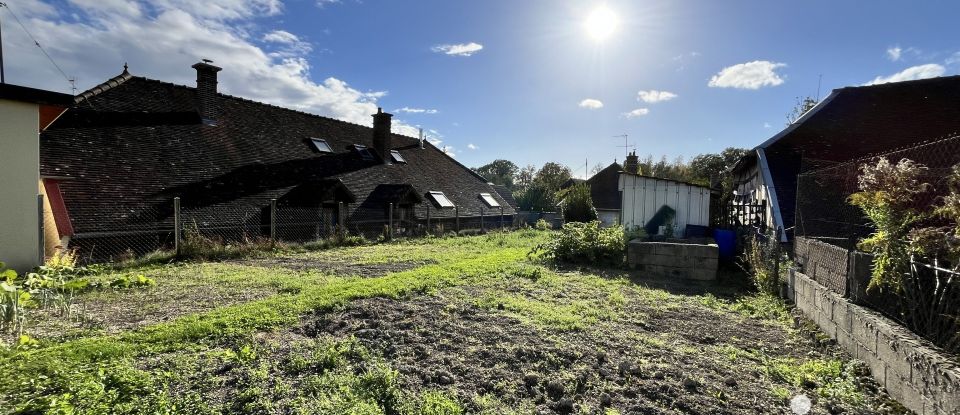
(433, 326)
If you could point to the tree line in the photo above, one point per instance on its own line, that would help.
(540, 189)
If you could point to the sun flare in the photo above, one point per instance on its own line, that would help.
(601, 23)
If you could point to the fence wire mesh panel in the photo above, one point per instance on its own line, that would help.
(225, 224)
(823, 210)
(825, 263)
(139, 230)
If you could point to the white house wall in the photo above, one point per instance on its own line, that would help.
(20, 159)
(643, 196)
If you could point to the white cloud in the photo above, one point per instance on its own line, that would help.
(639, 112)
(750, 75)
(160, 39)
(767, 125)
(930, 70)
(894, 52)
(459, 49)
(416, 110)
(952, 59)
(472, 146)
(322, 3)
(591, 103)
(653, 96)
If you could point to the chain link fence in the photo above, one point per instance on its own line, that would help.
(166, 225)
(828, 229)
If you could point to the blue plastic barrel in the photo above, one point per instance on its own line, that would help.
(726, 243)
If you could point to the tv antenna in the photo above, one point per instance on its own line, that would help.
(626, 146)
(35, 42)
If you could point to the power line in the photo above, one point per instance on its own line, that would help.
(36, 42)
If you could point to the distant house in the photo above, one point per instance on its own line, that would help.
(132, 144)
(851, 123)
(24, 113)
(605, 194)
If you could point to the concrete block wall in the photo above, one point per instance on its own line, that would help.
(913, 371)
(674, 260)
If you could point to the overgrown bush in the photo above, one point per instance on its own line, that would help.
(537, 198)
(543, 225)
(578, 204)
(761, 258)
(579, 242)
(886, 195)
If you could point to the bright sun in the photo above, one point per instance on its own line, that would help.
(601, 23)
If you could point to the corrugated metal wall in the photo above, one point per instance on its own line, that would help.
(643, 196)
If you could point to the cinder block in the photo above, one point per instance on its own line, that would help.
(893, 352)
(826, 324)
(864, 332)
(846, 342)
(842, 315)
(877, 368)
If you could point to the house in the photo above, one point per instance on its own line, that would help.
(24, 113)
(130, 145)
(851, 123)
(605, 193)
(643, 196)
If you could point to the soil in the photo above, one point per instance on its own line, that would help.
(473, 351)
(341, 268)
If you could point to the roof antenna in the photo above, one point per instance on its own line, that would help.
(819, 80)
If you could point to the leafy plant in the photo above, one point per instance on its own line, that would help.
(887, 193)
(13, 301)
(543, 225)
(761, 258)
(585, 243)
(578, 204)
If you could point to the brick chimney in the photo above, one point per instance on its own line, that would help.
(632, 165)
(207, 90)
(382, 138)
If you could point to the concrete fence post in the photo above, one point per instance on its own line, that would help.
(428, 219)
(340, 216)
(390, 221)
(273, 221)
(41, 254)
(481, 218)
(457, 212)
(501, 218)
(176, 225)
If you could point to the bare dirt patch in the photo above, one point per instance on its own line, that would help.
(666, 364)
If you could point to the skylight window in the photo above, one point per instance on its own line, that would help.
(363, 151)
(489, 200)
(397, 158)
(321, 145)
(440, 199)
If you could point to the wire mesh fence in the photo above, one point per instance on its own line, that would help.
(168, 224)
(927, 296)
(823, 210)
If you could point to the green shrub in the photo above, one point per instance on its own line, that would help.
(543, 225)
(537, 198)
(578, 204)
(579, 242)
(761, 260)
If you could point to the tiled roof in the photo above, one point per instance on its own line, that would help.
(132, 144)
(604, 187)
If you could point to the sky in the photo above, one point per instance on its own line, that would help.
(530, 81)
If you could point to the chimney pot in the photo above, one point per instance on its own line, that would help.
(207, 90)
(632, 164)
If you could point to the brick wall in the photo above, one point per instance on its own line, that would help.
(912, 371)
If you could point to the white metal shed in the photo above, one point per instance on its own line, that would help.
(643, 196)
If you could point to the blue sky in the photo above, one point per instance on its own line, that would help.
(715, 73)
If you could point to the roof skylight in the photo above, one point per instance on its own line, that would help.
(397, 158)
(363, 151)
(489, 200)
(321, 145)
(440, 199)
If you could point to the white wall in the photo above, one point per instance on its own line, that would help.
(608, 218)
(19, 177)
(643, 196)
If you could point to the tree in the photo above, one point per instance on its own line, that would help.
(578, 205)
(800, 108)
(707, 168)
(536, 198)
(500, 172)
(552, 175)
(525, 177)
(597, 169)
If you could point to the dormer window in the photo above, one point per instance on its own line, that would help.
(397, 158)
(321, 145)
(363, 151)
(489, 200)
(440, 199)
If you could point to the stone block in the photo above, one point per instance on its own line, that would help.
(864, 331)
(893, 352)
